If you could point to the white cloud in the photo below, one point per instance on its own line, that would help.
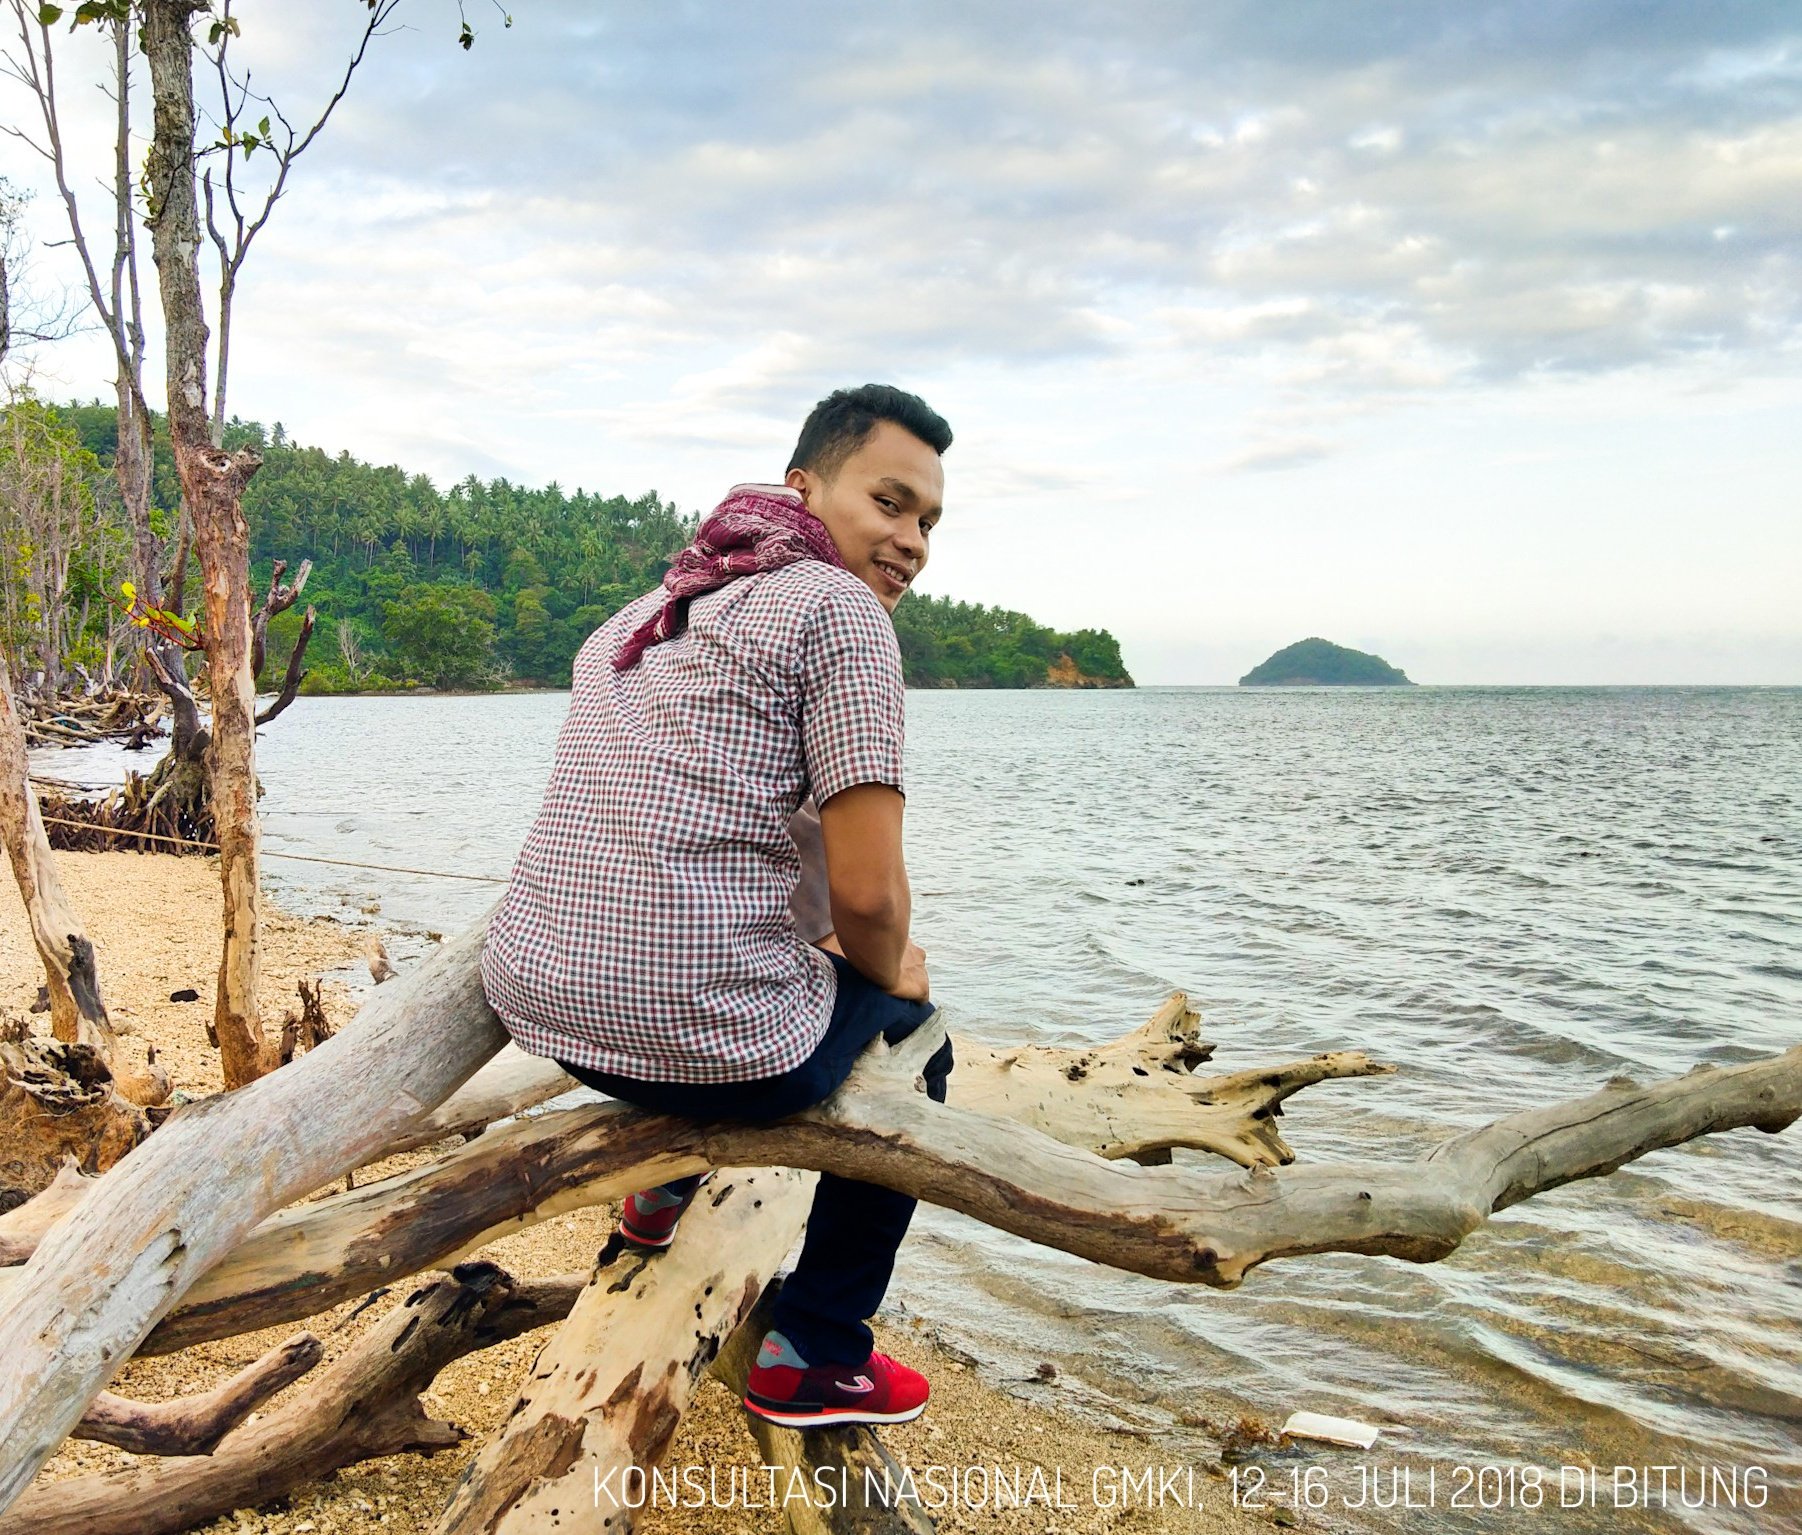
(1161, 244)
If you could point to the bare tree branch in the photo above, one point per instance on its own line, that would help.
(194, 1425)
(34, 67)
(278, 599)
(296, 672)
(245, 230)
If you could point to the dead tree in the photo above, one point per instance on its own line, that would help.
(213, 483)
(132, 1249)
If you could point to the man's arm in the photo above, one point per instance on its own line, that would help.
(867, 883)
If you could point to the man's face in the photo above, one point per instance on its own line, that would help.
(880, 508)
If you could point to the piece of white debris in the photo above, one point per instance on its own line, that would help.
(1317, 1425)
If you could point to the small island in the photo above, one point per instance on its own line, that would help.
(1315, 662)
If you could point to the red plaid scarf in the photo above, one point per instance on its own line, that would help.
(756, 528)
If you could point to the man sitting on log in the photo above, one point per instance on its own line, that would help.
(646, 940)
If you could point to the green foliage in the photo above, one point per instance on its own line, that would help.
(489, 581)
(1318, 662)
(444, 635)
(966, 645)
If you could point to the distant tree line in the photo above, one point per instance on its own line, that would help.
(488, 582)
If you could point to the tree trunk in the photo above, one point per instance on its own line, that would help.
(71, 974)
(609, 1388)
(213, 483)
(134, 456)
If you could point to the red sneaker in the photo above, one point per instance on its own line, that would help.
(783, 1388)
(648, 1218)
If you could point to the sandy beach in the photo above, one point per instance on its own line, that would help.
(154, 921)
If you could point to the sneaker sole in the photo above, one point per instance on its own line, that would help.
(830, 1416)
(649, 1243)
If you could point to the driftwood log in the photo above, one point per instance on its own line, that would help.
(194, 1425)
(101, 1278)
(360, 1406)
(306, 1259)
(105, 1274)
(1175, 1223)
(607, 1392)
(103, 711)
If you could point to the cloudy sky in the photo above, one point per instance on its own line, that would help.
(1464, 332)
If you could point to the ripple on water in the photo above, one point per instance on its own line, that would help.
(1402, 871)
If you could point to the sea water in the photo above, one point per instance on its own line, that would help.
(1511, 895)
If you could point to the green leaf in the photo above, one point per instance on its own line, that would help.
(49, 15)
(263, 128)
(467, 37)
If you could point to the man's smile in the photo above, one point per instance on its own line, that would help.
(895, 573)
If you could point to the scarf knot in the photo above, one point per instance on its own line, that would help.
(756, 528)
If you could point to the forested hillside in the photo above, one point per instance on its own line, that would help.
(488, 583)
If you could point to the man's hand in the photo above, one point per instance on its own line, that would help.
(913, 985)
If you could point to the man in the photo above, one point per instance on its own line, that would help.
(648, 937)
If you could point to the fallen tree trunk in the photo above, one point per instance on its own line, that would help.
(360, 1406)
(105, 1273)
(608, 1389)
(303, 1260)
(194, 1425)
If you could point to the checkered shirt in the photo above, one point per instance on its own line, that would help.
(646, 930)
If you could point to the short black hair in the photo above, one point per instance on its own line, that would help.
(842, 422)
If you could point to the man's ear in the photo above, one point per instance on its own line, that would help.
(798, 479)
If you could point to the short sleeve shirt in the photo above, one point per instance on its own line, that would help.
(646, 930)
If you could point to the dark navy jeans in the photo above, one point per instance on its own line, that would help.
(855, 1228)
